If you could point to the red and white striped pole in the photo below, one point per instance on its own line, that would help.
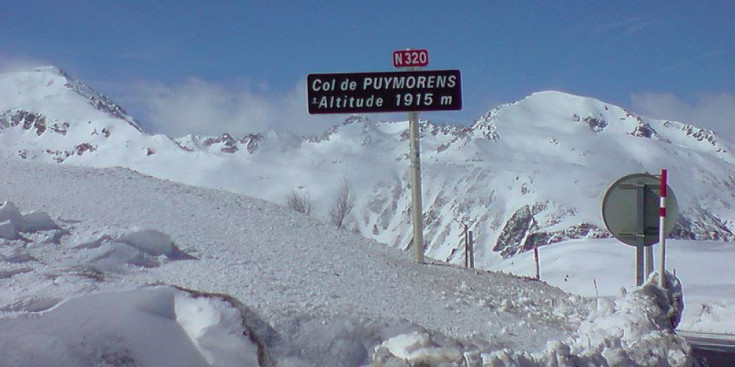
(662, 231)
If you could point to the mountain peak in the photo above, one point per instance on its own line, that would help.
(50, 69)
(48, 90)
(551, 100)
(550, 111)
(553, 94)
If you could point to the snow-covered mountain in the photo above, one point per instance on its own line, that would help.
(527, 173)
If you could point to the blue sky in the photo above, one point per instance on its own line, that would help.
(240, 66)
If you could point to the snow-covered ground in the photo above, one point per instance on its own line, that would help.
(594, 268)
(109, 267)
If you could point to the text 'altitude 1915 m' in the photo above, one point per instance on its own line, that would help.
(400, 91)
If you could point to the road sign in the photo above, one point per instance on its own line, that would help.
(410, 58)
(398, 91)
(409, 91)
(630, 209)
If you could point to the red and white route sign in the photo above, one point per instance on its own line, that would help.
(410, 58)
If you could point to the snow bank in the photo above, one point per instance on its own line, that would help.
(37, 221)
(159, 326)
(635, 329)
(150, 241)
(7, 230)
(215, 328)
(10, 213)
(12, 221)
(418, 348)
(709, 316)
(114, 248)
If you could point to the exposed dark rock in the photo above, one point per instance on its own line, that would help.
(60, 129)
(701, 225)
(85, 147)
(522, 232)
(229, 144)
(583, 230)
(700, 134)
(99, 101)
(28, 120)
(596, 125)
(644, 130)
(515, 230)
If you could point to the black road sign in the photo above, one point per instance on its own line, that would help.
(397, 91)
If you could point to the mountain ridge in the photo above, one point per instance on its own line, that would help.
(524, 174)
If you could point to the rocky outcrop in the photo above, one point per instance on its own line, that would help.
(523, 232)
(701, 225)
(595, 124)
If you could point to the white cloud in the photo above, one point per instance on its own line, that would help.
(628, 27)
(715, 112)
(199, 107)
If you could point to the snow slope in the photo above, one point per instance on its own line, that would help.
(304, 293)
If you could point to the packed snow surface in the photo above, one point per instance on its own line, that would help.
(142, 271)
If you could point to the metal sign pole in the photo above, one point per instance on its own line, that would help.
(649, 260)
(629, 211)
(466, 246)
(640, 234)
(472, 250)
(649, 249)
(409, 91)
(662, 232)
(416, 209)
